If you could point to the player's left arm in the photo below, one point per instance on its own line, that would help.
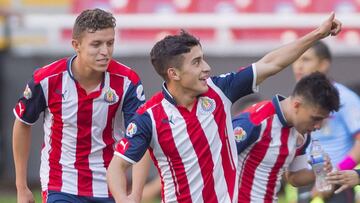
(350, 113)
(282, 57)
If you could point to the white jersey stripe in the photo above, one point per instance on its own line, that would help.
(69, 141)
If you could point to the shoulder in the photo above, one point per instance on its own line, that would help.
(49, 70)
(259, 112)
(122, 70)
(153, 101)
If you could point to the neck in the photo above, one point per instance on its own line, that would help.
(182, 98)
(85, 76)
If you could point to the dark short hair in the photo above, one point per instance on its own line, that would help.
(168, 51)
(318, 90)
(92, 20)
(322, 50)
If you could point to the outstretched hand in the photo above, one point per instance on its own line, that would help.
(345, 178)
(330, 26)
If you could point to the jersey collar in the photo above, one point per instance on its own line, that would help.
(167, 94)
(276, 101)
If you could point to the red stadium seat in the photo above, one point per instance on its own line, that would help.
(153, 35)
(316, 6)
(116, 6)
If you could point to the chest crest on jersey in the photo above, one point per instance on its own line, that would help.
(207, 105)
(110, 95)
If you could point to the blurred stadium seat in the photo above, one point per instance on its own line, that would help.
(316, 6)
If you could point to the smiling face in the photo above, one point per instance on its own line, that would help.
(192, 75)
(308, 117)
(95, 49)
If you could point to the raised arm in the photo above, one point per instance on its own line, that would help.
(21, 149)
(282, 57)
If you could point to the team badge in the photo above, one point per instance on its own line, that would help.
(240, 134)
(207, 105)
(140, 93)
(27, 92)
(20, 109)
(110, 96)
(131, 129)
(122, 146)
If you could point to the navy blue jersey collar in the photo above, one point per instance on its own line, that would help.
(167, 94)
(276, 101)
(68, 66)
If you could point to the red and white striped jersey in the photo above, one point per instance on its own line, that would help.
(194, 151)
(267, 146)
(80, 129)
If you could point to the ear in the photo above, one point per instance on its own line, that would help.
(173, 73)
(296, 104)
(76, 45)
(324, 66)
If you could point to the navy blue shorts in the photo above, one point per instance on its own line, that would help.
(62, 197)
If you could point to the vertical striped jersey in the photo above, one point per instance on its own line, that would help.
(266, 146)
(80, 129)
(194, 151)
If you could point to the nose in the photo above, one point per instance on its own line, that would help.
(206, 67)
(104, 50)
(317, 125)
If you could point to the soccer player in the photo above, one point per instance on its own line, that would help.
(345, 178)
(340, 135)
(272, 137)
(85, 100)
(187, 127)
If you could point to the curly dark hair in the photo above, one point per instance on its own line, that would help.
(168, 51)
(92, 20)
(318, 90)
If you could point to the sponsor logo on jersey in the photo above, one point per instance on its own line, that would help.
(169, 120)
(131, 129)
(20, 109)
(110, 96)
(207, 105)
(240, 134)
(140, 93)
(122, 146)
(27, 92)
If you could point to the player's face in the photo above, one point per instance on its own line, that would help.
(95, 49)
(307, 63)
(309, 118)
(194, 72)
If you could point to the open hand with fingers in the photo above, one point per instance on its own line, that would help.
(345, 178)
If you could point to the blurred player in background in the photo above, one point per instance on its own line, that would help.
(272, 136)
(86, 99)
(187, 127)
(340, 134)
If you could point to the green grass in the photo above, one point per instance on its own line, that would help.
(10, 197)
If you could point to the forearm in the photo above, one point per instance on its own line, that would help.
(280, 58)
(300, 178)
(353, 157)
(139, 173)
(116, 178)
(21, 149)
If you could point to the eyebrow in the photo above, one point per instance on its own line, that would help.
(197, 58)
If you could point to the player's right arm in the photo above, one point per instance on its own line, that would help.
(27, 111)
(21, 149)
(116, 179)
(129, 151)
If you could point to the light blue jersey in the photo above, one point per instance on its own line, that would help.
(336, 135)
